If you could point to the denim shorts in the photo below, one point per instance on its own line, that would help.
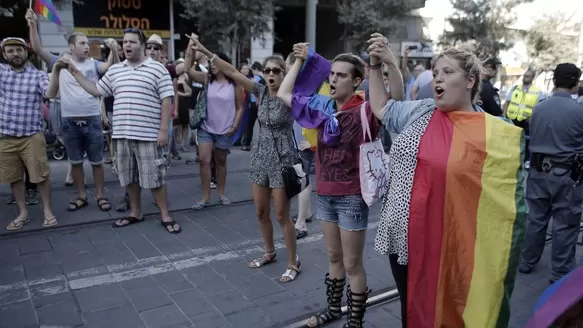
(348, 212)
(83, 136)
(223, 142)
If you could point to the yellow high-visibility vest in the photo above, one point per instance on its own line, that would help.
(522, 103)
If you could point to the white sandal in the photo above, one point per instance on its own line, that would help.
(292, 272)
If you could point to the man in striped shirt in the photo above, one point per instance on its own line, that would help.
(143, 92)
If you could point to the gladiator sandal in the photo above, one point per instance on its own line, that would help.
(334, 291)
(356, 309)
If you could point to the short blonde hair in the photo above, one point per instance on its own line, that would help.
(469, 63)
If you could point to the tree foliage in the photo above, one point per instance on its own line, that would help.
(232, 21)
(364, 17)
(552, 40)
(482, 24)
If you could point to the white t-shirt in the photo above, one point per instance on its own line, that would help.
(75, 101)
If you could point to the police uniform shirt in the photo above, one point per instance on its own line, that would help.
(556, 127)
(490, 99)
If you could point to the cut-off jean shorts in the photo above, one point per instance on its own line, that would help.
(348, 212)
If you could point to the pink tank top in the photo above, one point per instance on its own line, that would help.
(220, 108)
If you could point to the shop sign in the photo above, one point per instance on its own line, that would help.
(109, 18)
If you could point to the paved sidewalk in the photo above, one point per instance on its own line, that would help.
(141, 276)
(183, 183)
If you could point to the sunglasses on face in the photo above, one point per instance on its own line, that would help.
(275, 71)
(155, 48)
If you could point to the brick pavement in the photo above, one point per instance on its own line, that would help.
(141, 276)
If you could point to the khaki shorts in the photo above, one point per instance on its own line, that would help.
(139, 162)
(18, 153)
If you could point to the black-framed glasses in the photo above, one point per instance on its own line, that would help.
(275, 70)
(137, 31)
(155, 48)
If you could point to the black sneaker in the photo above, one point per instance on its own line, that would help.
(123, 205)
(31, 197)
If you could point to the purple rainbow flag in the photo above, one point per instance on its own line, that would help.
(557, 299)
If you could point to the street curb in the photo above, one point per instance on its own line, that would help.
(60, 187)
(4, 234)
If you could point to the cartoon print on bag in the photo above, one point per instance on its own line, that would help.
(378, 168)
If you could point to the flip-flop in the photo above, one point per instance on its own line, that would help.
(171, 223)
(301, 234)
(224, 201)
(200, 205)
(17, 224)
(51, 222)
(131, 220)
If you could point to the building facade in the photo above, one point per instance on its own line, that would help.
(315, 21)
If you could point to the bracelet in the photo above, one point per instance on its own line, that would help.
(74, 72)
(375, 66)
(212, 59)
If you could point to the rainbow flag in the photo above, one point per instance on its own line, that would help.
(467, 222)
(558, 300)
(311, 135)
(46, 9)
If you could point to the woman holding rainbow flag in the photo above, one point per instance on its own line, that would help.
(453, 220)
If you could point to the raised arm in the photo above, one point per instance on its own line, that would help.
(193, 74)
(286, 89)
(300, 86)
(239, 101)
(103, 88)
(53, 89)
(381, 53)
(35, 42)
(404, 66)
(228, 69)
(113, 56)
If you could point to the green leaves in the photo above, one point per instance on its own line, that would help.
(552, 40)
(227, 20)
(361, 18)
(482, 24)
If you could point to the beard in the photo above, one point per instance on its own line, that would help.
(17, 62)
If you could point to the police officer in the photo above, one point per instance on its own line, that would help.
(554, 186)
(489, 97)
(520, 101)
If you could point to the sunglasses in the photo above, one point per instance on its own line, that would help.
(275, 70)
(155, 48)
(135, 31)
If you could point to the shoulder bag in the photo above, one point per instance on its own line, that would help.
(294, 178)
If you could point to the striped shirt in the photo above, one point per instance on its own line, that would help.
(138, 92)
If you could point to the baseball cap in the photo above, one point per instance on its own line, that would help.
(11, 41)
